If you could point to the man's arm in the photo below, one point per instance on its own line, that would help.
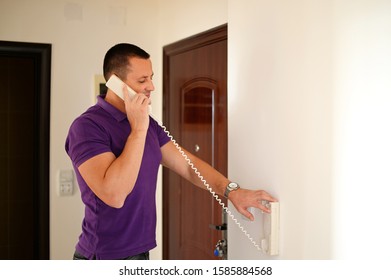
(111, 178)
(241, 198)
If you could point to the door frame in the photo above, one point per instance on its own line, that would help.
(41, 55)
(199, 40)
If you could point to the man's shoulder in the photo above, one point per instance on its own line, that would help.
(93, 114)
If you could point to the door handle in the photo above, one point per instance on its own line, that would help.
(219, 227)
(197, 148)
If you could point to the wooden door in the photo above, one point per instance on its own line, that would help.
(24, 150)
(195, 112)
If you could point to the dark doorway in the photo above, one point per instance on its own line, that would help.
(24, 150)
(195, 112)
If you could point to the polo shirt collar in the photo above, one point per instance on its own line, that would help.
(114, 112)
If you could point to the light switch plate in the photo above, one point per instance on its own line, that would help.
(65, 182)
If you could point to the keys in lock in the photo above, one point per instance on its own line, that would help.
(221, 249)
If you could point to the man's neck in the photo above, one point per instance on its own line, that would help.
(116, 101)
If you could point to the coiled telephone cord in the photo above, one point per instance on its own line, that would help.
(213, 193)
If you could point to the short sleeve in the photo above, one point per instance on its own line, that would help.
(86, 139)
(161, 134)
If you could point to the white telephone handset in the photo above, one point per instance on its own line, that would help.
(116, 85)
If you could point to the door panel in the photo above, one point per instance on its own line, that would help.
(195, 99)
(24, 150)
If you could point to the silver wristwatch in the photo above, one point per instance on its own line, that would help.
(231, 187)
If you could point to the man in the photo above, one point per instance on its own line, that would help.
(116, 150)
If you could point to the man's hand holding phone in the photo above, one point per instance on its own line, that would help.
(137, 110)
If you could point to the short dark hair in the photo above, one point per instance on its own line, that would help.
(116, 60)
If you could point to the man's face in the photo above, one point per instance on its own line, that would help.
(140, 76)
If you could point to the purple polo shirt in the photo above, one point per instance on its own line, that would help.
(107, 232)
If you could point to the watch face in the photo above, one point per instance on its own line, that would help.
(233, 186)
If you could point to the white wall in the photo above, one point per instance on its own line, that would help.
(309, 92)
(280, 120)
(179, 19)
(362, 135)
(309, 87)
